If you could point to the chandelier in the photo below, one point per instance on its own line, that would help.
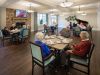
(66, 4)
(30, 9)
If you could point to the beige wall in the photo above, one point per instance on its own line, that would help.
(91, 18)
(2, 17)
(62, 22)
(32, 22)
(98, 16)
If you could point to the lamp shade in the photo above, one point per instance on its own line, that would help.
(83, 14)
(79, 12)
(30, 11)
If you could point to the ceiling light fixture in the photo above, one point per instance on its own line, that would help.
(53, 11)
(79, 11)
(66, 3)
(30, 9)
(84, 14)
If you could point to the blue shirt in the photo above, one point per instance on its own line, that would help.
(45, 50)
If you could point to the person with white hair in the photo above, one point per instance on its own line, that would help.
(38, 40)
(83, 47)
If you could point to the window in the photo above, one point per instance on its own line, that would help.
(53, 19)
(41, 19)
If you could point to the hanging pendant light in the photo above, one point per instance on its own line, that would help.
(53, 11)
(83, 14)
(79, 11)
(30, 9)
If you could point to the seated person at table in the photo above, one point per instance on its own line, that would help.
(6, 32)
(38, 40)
(82, 26)
(12, 27)
(52, 29)
(45, 28)
(83, 47)
(65, 32)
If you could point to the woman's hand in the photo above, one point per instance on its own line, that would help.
(69, 51)
(71, 46)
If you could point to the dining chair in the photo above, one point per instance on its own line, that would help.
(3, 38)
(90, 32)
(76, 31)
(82, 61)
(37, 57)
(65, 32)
(24, 33)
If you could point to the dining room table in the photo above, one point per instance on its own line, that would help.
(14, 34)
(58, 44)
(14, 31)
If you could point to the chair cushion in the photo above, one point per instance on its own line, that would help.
(49, 60)
(23, 37)
(79, 60)
(46, 62)
(7, 37)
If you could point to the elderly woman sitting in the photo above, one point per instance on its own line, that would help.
(38, 40)
(83, 47)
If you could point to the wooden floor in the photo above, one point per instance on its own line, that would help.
(16, 59)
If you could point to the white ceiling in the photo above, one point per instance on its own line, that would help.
(89, 6)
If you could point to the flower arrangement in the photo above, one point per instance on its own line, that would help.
(71, 18)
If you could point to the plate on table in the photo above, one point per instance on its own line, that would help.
(52, 37)
(60, 37)
(65, 41)
(47, 37)
(49, 42)
(58, 42)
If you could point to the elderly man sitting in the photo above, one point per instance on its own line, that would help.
(38, 40)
